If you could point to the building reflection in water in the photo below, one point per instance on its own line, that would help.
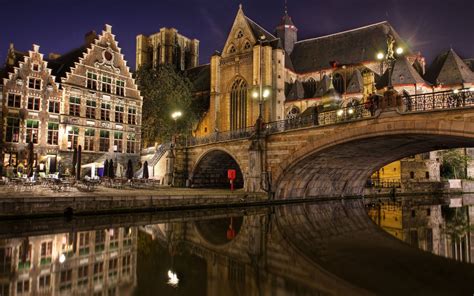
(429, 225)
(101, 262)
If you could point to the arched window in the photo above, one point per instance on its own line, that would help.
(232, 49)
(338, 82)
(247, 45)
(240, 34)
(238, 105)
(309, 88)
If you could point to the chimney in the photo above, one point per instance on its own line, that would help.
(90, 37)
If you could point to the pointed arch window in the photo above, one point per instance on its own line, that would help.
(310, 88)
(238, 105)
(338, 82)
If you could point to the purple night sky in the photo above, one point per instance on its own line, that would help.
(59, 26)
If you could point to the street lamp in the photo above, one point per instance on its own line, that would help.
(262, 93)
(176, 115)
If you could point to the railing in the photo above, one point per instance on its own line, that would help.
(459, 98)
(319, 119)
(221, 136)
(156, 157)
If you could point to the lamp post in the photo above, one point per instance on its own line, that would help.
(389, 58)
(176, 115)
(262, 93)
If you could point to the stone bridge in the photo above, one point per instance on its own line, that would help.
(334, 154)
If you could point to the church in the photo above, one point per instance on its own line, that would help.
(277, 76)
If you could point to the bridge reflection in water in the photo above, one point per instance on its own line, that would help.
(325, 248)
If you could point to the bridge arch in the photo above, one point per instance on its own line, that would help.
(220, 231)
(210, 170)
(340, 163)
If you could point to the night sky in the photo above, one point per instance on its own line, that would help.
(429, 26)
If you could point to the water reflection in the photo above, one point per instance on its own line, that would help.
(326, 248)
(433, 225)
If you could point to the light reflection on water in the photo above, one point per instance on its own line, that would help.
(229, 253)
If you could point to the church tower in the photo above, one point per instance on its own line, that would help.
(287, 32)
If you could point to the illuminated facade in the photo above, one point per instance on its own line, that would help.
(101, 262)
(85, 97)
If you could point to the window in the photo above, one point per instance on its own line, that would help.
(118, 142)
(132, 115)
(232, 49)
(14, 101)
(23, 286)
(72, 136)
(119, 114)
(120, 87)
(91, 81)
(13, 130)
(126, 262)
(35, 67)
(238, 105)
(338, 83)
(32, 131)
(44, 281)
(113, 266)
(34, 103)
(5, 260)
(104, 141)
(105, 111)
(83, 275)
(4, 289)
(46, 251)
(247, 45)
(240, 34)
(309, 88)
(106, 84)
(84, 243)
(113, 238)
(74, 106)
(414, 238)
(54, 106)
(127, 236)
(412, 175)
(99, 240)
(89, 135)
(65, 280)
(98, 271)
(24, 257)
(34, 83)
(131, 143)
(427, 175)
(90, 108)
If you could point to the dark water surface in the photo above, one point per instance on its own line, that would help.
(411, 246)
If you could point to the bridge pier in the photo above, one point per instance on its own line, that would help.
(255, 181)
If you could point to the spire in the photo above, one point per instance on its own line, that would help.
(287, 31)
(286, 7)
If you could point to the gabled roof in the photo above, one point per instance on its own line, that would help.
(200, 77)
(296, 91)
(349, 47)
(404, 73)
(449, 69)
(356, 84)
(470, 63)
(258, 30)
(14, 57)
(63, 64)
(323, 86)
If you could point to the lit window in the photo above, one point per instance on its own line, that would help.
(89, 139)
(104, 141)
(74, 106)
(32, 131)
(118, 140)
(53, 133)
(72, 137)
(13, 130)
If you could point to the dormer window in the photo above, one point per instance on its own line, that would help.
(240, 34)
(232, 49)
(247, 45)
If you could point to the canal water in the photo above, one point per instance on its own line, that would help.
(406, 246)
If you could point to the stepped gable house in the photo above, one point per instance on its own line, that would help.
(85, 97)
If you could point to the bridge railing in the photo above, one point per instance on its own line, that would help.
(452, 99)
(319, 119)
(221, 136)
